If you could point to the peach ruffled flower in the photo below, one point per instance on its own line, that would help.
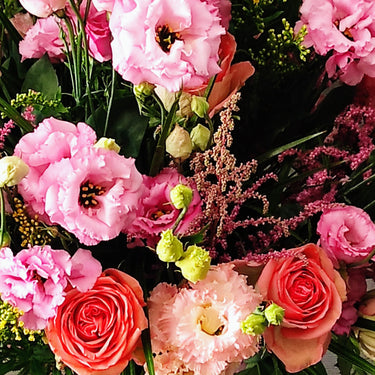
(196, 330)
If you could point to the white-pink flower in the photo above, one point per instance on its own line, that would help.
(345, 30)
(43, 8)
(35, 279)
(197, 329)
(172, 43)
(93, 194)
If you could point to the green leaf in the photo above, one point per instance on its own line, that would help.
(42, 77)
(146, 342)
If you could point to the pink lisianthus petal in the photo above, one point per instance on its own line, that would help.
(106, 5)
(43, 8)
(85, 270)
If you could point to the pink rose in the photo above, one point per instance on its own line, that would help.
(172, 43)
(347, 234)
(306, 285)
(35, 280)
(52, 141)
(42, 8)
(96, 332)
(156, 213)
(43, 38)
(345, 30)
(93, 194)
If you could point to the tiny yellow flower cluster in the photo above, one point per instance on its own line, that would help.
(32, 232)
(11, 328)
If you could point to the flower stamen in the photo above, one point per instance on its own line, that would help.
(88, 193)
(166, 37)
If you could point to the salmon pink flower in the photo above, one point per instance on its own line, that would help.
(345, 30)
(311, 292)
(172, 43)
(35, 279)
(197, 328)
(96, 332)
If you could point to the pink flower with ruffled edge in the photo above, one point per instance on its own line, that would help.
(157, 213)
(93, 194)
(344, 29)
(43, 38)
(141, 51)
(198, 328)
(36, 278)
(52, 141)
(347, 234)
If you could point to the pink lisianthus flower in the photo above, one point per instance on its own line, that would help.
(43, 8)
(35, 280)
(106, 5)
(50, 142)
(197, 329)
(43, 38)
(157, 213)
(347, 234)
(93, 194)
(172, 43)
(346, 31)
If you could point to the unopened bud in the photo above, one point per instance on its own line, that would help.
(254, 324)
(181, 196)
(200, 136)
(178, 143)
(199, 105)
(12, 170)
(274, 314)
(6, 240)
(108, 144)
(143, 89)
(194, 264)
(169, 248)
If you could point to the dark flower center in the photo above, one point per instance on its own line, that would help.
(88, 193)
(159, 213)
(346, 32)
(166, 37)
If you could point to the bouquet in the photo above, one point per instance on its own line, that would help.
(187, 187)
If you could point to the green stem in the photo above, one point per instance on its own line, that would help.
(110, 101)
(158, 157)
(9, 111)
(179, 218)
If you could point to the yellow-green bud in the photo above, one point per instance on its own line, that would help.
(254, 324)
(181, 196)
(274, 314)
(200, 136)
(185, 105)
(178, 143)
(143, 89)
(6, 240)
(166, 97)
(195, 263)
(12, 170)
(199, 105)
(107, 143)
(169, 248)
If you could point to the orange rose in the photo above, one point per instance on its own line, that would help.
(96, 332)
(306, 285)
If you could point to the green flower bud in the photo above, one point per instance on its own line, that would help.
(181, 196)
(199, 105)
(12, 170)
(143, 89)
(195, 263)
(178, 143)
(274, 314)
(169, 248)
(200, 136)
(6, 240)
(107, 143)
(254, 324)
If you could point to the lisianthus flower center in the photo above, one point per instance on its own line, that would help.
(210, 322)
(88, 193)
(346, 32)
(166, 37)
(159, 213)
